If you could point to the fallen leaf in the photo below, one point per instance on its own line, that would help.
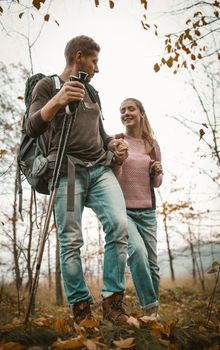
(156, 330)
(168, 344)
(214, 347)
(89, 324)
(167, 327)
(125, 343)
(147, 319)
(132, 321)
(41, 321)
(61, 326)
(67, 344)
(89, 343)
(13, 346)
(79, 330)
(7, 326)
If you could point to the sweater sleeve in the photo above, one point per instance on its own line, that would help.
(157, 156)
(42, 93)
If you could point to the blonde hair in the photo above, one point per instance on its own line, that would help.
(147, 131)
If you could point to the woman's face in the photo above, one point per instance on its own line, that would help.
(130, 114)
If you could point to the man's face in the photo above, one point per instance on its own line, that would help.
(89, 64)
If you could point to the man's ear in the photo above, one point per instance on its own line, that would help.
(79, 56)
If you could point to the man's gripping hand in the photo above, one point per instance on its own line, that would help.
(120, 149)
(71, 91)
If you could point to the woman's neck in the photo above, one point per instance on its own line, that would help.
(134, 132)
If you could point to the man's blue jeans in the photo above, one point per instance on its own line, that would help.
(97, 188)
(142, 252)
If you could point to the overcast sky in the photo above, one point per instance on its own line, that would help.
(128, 54)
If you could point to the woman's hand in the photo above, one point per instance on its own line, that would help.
(156, 167)
(120, 149)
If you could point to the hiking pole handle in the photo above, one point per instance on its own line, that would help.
(72, 106)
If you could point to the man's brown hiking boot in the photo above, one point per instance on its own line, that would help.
(113, 309)
(82, 312)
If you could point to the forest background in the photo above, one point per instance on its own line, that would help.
(165, 53)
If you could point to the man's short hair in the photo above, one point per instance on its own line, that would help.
(81, 43)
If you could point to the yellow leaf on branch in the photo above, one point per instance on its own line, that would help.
(156, 67)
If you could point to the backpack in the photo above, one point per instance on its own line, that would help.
(32, 154)
(31, 159)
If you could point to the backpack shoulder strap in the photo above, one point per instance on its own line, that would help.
(94, 95)
(56, 83)
(56, 86)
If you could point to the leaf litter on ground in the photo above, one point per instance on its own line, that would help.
(183, 325)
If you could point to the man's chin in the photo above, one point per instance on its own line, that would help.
(89, 78)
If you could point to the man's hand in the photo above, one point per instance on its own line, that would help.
(120, 149)
(71, 91)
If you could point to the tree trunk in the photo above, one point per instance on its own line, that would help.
(202, 275)
(170, 255)
(193, 257)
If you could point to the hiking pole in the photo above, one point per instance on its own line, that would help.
(68, 122)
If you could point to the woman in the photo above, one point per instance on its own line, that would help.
(138, 175)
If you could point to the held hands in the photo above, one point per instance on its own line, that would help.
(156, 167)
(120, 149)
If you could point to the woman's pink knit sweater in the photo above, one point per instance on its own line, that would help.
(134, 174)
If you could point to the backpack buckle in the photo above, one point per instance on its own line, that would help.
(88, 164)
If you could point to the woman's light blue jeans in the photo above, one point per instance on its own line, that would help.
(142, 252)
(97, 188)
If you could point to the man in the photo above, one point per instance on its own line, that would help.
(95, 185)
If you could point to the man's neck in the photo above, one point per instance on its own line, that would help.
(69, 70)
